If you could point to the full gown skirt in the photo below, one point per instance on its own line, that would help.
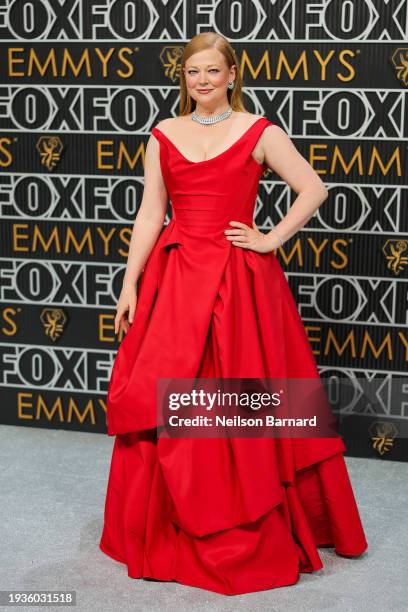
(230, 515)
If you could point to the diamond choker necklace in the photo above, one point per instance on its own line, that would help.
(212, 119)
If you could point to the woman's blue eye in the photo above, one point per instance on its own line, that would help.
(211, 70)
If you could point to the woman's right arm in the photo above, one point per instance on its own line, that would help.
(146, 229)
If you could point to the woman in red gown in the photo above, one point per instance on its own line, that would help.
(230, 515)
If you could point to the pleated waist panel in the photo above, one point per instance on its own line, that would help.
(210, 212)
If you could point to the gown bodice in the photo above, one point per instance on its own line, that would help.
(210, 193)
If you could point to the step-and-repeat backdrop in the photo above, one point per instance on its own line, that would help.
(81, 85)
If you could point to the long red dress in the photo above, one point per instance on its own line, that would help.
(230, 515)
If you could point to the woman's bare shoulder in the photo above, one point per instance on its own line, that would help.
(246, 119)
(249, 116)
(170, 124)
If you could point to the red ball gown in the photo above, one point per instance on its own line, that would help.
(230, 515)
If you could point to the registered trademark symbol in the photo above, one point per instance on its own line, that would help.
(15, 139)
(136, 49)
(18, 309)
(350, 240)
(358, 50)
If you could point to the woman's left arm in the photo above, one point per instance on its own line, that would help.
(281, 155)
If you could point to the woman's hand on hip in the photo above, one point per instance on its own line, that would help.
(251, 238)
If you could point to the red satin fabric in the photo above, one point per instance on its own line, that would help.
(231, 515)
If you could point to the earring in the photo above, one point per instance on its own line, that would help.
(231, 85)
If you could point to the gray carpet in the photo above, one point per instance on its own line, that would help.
(53, 486)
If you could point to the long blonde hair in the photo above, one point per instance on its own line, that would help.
(210, 40)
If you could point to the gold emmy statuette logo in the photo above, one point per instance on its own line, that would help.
(170, 58)
(54, 320)
(393, 250)
(49, 148)
(382, 435)
(399, 60)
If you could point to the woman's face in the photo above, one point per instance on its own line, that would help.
(207, 77)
